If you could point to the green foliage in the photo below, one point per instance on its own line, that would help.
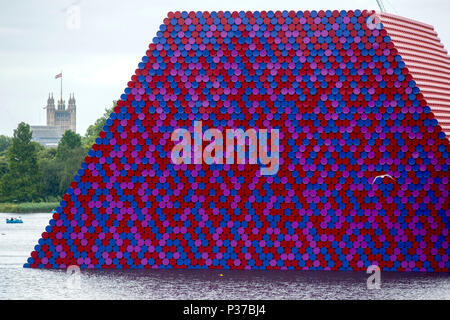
(69, 141)
(28, 207)
(60, 165)
(47, 153)
(3, 166)
(49, 184)
(94, 130)
(4, 143)
(21, 181)
(68, 159)
(70, 167)
(30, 172)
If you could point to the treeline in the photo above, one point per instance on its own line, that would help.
(31, 173)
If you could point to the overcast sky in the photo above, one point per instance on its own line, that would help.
(99, 53)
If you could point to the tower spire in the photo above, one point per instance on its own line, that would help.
(61, 87)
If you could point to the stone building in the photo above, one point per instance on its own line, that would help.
(59, 119)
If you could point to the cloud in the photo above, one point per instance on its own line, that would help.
(98, 59)
(10, 31)
(103, 70)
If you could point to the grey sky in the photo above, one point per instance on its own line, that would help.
(99, 57)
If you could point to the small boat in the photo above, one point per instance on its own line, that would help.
(14, 220)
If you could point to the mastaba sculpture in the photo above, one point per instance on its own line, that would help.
(348, 117)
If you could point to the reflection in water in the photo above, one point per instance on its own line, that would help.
(17, 241)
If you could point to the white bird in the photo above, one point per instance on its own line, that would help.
(382, 176)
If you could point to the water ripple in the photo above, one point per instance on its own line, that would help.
(19, 283)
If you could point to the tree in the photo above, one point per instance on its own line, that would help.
(50, 182)
(69, 141)
(68, 159)
(94, 130)
(50, 169)
(21, 181)
(69, 167)
(4, 143)
(30, 172)
(47, 153)
(3, 166)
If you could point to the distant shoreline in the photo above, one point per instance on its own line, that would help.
(28, 207)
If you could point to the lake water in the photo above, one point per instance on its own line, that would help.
(18, 240)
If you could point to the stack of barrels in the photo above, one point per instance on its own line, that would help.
(363, 165)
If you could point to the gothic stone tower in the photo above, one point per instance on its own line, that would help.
(59, 120)
(50, 110)
(61, 117)
(72, 109)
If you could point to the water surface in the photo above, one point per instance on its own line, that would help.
(18, 240)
